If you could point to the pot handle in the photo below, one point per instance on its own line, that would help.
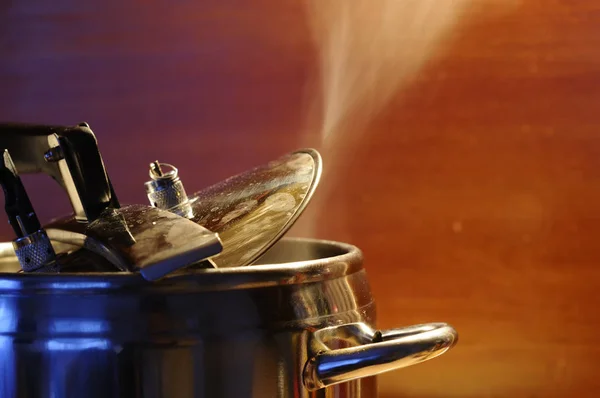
(369, 352)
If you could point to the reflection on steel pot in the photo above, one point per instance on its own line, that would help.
(300, 322)
(189, 297)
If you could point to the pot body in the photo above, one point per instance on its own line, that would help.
(247, 332)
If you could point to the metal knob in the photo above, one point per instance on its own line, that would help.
(35, 252)
(165, 190)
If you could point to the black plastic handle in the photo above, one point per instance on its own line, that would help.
(68, 154)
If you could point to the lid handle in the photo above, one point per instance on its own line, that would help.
(70, 155)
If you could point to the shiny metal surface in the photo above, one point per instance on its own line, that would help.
(10, 263)
(68, 154)
(230, 332)
(32, 246)
(35, 252)
(138, 238)
(226, 225)
(165, 190)
(252, 210)
(366, 352)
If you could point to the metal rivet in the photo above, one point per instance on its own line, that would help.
(54, 154)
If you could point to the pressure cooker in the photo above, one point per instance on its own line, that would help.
(186, 296)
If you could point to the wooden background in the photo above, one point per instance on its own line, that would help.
(474, 194)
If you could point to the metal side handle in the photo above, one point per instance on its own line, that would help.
(370, 352)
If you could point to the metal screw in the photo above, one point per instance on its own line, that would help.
(54, 154)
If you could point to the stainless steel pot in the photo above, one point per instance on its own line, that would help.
(188, 297)
(299, 323)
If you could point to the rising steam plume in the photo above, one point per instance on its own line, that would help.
(368, 52)
(371, 49)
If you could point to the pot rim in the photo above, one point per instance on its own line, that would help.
(345, 259)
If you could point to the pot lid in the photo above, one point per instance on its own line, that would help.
(229, 224)
(253, 210)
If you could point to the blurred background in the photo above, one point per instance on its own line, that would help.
(460, 140)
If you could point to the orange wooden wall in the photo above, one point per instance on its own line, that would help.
(475, 194)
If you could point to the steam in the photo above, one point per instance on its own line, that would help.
(370, 49)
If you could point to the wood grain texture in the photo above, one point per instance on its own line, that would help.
(474, 194)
